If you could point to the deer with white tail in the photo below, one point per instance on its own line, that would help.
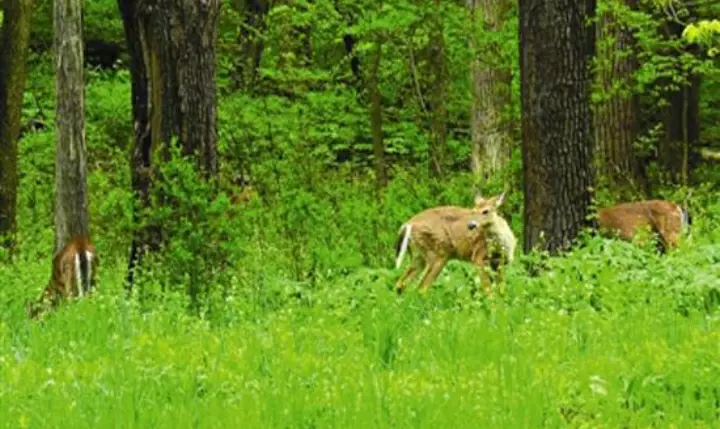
(74, 271)
(435, 236)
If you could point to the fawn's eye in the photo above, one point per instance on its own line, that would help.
(486, 211)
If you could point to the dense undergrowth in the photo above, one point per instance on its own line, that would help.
(610, 335)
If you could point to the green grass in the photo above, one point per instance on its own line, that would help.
(610, 336)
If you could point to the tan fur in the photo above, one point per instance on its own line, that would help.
(442, 233)
(663, 218)
(63, 283)
(245, 195)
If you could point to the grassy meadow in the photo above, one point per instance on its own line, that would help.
(611, 335)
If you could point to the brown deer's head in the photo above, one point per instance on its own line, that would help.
(485, 214)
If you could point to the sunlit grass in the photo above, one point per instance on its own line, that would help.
(611, 336)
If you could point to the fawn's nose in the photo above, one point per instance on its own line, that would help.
(472, 225)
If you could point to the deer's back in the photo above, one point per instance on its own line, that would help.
(444, 230)
(627, 218)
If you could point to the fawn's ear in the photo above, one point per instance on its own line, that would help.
(499, 199)
(479, 199)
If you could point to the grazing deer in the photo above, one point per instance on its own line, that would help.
(479, 235)
(74, 271)
(664, 218)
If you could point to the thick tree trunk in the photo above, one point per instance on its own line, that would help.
(71, 200)
(490, 91)
(180, 41)
(437, 73)
(556, 46)
(616, 115)
(146, 238)
(17, 15)
(172, 45)
(376, 118)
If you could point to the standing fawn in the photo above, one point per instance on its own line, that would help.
(479, 235)
(664, 218)
(74, 271)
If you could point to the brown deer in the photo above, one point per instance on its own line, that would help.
(74, 271)
(664, 218)
(479, 235)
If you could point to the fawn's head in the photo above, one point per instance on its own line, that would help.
(485, 211)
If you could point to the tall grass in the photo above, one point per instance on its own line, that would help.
(610, 336)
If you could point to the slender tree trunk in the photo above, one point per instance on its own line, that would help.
(616, 115)
(172, 45)
(251, 42)
(437, 92)
(681, 118)
(17, 15)
(556, 47)
(71, 200)
(681, 122)
(376, 117)
(491, 82)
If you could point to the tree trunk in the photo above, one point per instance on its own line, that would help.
(145, 238)
(617, 113)
(491, 82)
(437, 92)
(556, 46)
(71, 200)
(251, 42)
(681, 118)
(681, 121)
(13, 56)
(172, 45)
(180, 40)
(376, 117)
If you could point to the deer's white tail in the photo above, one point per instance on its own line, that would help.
(686, 220)
(83, 271)
(402, 249)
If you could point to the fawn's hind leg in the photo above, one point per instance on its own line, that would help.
(435, 265)
(417, 263)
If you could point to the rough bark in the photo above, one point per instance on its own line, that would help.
(376, 117)
(491, 80)
(556, 47)
(179, 42)
(172, 45)
(13, 55)
(616, 114)
(71, 200)
(438, 77)
(146, 238)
